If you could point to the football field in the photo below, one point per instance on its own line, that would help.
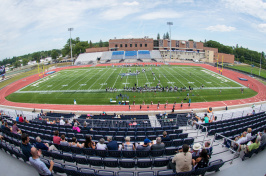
(97, 85)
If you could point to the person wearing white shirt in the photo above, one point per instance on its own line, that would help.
(62, 122)
(249, 135)
(243, 139)
(101, 145)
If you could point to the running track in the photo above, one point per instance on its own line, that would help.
(253, 84)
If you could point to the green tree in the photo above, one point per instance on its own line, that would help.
(158, 36)
(54, 54)
(17, 64)
(167, 35)
(90, 45)
(25, 61)
(242, 59)
(101, 43)
(164, 37)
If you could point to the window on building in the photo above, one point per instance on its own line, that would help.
(130, 45)
(125, 45)
(116, 46)
(145, 44)
(136, 45)
(140, 45)
(121, 45)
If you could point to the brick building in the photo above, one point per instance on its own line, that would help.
(181, 49)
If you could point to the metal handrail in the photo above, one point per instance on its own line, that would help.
(223, 145)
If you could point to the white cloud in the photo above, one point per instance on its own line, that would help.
(220, 28)
(117, 13)
(262, 27)
(134, 3)
(160, 15)
(256, 8)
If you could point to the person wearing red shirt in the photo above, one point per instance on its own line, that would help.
(21, 119)
(56, 138)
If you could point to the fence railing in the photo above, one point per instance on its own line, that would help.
(224, 139)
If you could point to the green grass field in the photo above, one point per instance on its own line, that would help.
(88, 86)
(248, 68)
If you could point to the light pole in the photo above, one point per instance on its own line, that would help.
(170, 23)
(71, 29)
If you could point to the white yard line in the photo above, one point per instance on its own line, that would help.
(137, 78)
(98, 78)
(76, 82)
(107, 79)
(173, 77)
(183, 77)
(117, 77)
(89, 78)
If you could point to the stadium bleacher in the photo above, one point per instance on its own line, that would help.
(82, 161)
(131, 54)
(117, 55)
(88, 58)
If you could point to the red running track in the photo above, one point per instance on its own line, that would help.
(253, 84)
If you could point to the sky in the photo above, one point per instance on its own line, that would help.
(36, 25)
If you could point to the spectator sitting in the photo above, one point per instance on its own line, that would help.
(57, 121)
(56, 138)
(74, 143)
(252, 146)
(249, 135)
(242, 139)
(38, 164)
(101, 145)
(21, 119)
(263, 137)
(196, 150)
(75, 121)
(25, 120)
(15, 129)
(50, 122)
(25, 146)
(128, 146)
(88, 143)
(6, 127)
(145, 147)
(202, 161)
(1, 137)
(199, 122)
(206, 118)
(63, 140)
(43, 146)
(17, 118)
(165, 137)
(62, 122)
(208, 147)
(159, 145)
(67, 123)
(75, 127)
(112, 145)
(85, 125)
(183, 160)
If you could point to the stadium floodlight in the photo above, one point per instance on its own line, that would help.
(71, 29)
(170, 24)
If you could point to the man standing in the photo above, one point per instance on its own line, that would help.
(39, 165)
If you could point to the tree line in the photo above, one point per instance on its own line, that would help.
(77, 48)
(242, 54)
